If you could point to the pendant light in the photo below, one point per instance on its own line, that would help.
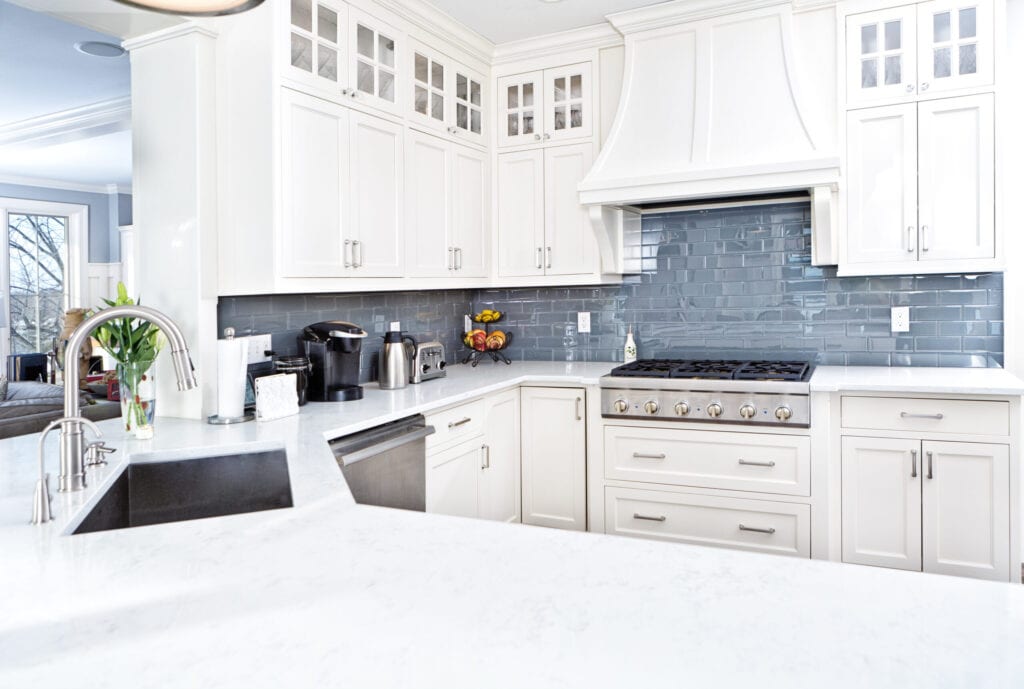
(194, 8)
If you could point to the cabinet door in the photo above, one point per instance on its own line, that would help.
(881, 508)
(570, 247)
(314, 186)
(568, 110)
(429, 253)
(966, 509)
(554, 457)
(375, 53)
(468, 105)
(316, 42)
(956, 179)
(470, 193)
(377, 196)
(520, 109)
(521, 213)
(955, 45)
(880, 56)
(881, 201)
(500, 486)
(430, 88)
(452, 477)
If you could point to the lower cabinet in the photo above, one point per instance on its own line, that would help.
(936, 506)
(452, 480)
(554, 457)
(500, 488)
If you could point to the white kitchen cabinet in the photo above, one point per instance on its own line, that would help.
(468, 114)
(500, 488)
(550, 105)
(451, 479)
(881, 58)
(966, 509)
(447, 96)
(374, 55)
(554, 457)
(375, 241)
(470, 211)
(317, 43)
(955, 45)
(542, 228)
(881, 502)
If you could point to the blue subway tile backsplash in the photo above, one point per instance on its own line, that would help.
(720, 283)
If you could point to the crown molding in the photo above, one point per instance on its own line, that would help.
(588, 37)
(167, 34)
(681, 11)
(42, 183)
(443, 26)
(95, 119)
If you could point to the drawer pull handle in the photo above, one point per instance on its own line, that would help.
(769, 463)
(579, 400)
(646, 455)
(908, 415)
(637, 515)
(929, 454)
(913, 464)
(769, 530)
(456, 424)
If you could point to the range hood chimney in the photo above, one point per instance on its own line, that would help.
(720, 98)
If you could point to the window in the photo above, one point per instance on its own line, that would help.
(36, 280)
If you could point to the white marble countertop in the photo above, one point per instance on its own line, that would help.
(915, 379)
(329, 593)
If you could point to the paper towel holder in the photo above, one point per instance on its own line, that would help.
(229, 334)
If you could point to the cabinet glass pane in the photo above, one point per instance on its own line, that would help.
(513, 124)
(386, 51)
(474, 121)
(328, 63)
(869, 73)
(437, 106)
(437, 75)
(893, 70)
(576, 116)
(461, 87)
(327, 24)
(302, 52)
(461, 116)
(893, 35)
(528, 122)
(576, 86)
(386, 85)
(421, 98)
(868, 39)
(513, 96)
(941, 68)
(940, 27)
(364, 41)
(968, 59)
(560, 117)
(527, 95)
(474, 92)
(559, 89)
(968, 23)
(421, 68)
(302, 14)
(364, 77)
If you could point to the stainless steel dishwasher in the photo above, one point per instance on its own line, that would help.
(386, 465)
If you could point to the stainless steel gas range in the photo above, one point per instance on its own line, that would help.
(756, 393)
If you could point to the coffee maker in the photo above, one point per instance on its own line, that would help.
(333, 349)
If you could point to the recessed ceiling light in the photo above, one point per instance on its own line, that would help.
(99, 49)
(194, 8)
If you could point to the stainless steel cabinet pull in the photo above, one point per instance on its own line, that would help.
(540, 257)
(357, 258)
(769, 530)
(458, 258)
(908, 415)
(924, 86)
(929, 455)
(547, 136)
(924, 238)
(637, 515)
(910, 88)
(913, 464)
(549, 257)
(451, 258)
(910, 239)
(536, 137)
(579, 416)
(461, 422)
(769, 463)
(485, 456)
(347, 253)
(644, 455)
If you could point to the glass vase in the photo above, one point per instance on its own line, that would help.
(138, 398)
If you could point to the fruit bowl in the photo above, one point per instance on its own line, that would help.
(488, 316)
(482, 344)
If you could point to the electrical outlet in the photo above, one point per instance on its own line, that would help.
(901, 319)
(583, 321)
(256, 346)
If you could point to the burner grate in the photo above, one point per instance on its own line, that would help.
(773, 370)
(715, 370)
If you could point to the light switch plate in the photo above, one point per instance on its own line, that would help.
(583, 321)
(256, 345)
(901, 319)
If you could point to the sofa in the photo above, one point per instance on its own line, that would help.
(28, 406)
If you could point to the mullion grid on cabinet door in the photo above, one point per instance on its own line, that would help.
(882, 50)
(567, 102)
(314, 39)
(428, 86)
(954, 42)
(375, 63)
(468, 103)
(520, 109)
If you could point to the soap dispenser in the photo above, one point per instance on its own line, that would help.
(629, 351)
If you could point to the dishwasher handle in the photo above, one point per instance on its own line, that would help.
(416, 433)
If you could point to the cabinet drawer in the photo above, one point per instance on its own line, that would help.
(770, 527)
(709, 459)
(456, 424)
(971, 417)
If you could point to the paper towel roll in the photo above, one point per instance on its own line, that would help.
(231, 369)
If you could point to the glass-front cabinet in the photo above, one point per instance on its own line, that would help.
(446, 96)
(468, 103)
(520, 109)
(316, 42)
(374, 63)
(954, 45)
(553, 104)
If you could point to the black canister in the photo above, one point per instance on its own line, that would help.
(300, 366)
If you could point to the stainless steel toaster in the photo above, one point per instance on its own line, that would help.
(429, 362)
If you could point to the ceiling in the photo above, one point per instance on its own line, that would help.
(501, 21)
(95, 161)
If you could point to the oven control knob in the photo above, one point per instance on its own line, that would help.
(747, 411)
(651, 407)
(621, 406)
(783, 413)
(682, 409)
(714, 410)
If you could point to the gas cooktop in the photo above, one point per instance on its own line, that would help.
(709, 369)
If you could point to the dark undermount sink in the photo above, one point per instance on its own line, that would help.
(179, 490)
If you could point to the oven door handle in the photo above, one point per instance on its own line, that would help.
(349, 458)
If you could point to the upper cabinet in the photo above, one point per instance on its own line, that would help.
(550, 105)
(373, 64)
(446, 96)
(905, 53)
(316, 42)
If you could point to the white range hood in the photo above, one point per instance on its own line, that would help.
(720, 98)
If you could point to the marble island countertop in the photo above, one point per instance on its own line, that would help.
(329, 593)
